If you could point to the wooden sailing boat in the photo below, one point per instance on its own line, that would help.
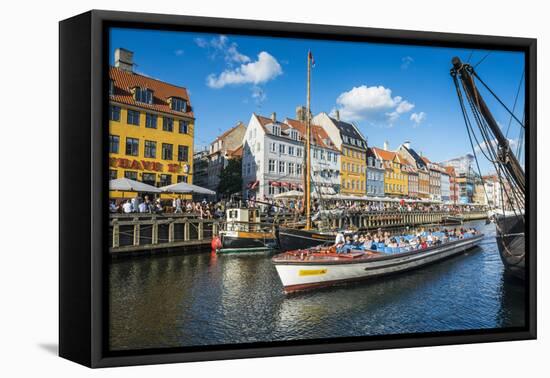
(291, 238)
(510, 224)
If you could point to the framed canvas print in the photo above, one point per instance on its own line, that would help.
(254, 188)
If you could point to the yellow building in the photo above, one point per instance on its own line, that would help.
(353, 171)
(151, 126)
(396, 179)
(353, 146)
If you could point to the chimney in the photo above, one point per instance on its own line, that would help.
(301, 113)
(124, 59)
(407, 144)
(274, 117)
(386, 146)
(337, 114)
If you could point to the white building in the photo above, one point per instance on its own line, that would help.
(445, 181)
(273, 158)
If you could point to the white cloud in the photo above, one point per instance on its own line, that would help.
(374, 104)
(406, 61)
(220, 46)
(258, 95)
(179, 52)
(418, 118)
(264, 69)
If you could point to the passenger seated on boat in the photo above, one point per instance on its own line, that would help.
(368, 244)
(339, 242)
(404, 245)
(393, 243)
(423, 243)
(436, 241)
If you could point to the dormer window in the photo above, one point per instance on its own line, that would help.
(111, 87)
(276, 130)
(143, 95)
(178, 104)
(294, 134)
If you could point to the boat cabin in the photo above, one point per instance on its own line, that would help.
(242, 219)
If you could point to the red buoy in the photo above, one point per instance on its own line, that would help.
(216, 243)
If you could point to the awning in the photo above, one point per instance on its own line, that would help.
(285, 184)
(128, 185)
(253, 184)
(275, 183)
(185, 188)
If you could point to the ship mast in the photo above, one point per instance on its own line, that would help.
(507, 159)
(307, 167)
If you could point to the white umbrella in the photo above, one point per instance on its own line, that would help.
(185, 188)
(289, 194)
(127, 185)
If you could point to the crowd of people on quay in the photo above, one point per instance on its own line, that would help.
(270, 207)
(202, 209)
(385, 242)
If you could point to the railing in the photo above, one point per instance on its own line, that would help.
(371, 220)
(134, 233)
(130, 233)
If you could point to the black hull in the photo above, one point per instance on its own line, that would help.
(511, 243)
(230, 242)
(292, 238)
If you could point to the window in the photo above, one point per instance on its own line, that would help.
(143, 95)
(299, 169)
(276, 130)
(133, 117)
(281, 167)
(167, 151)
(183, 153)
(322, 155)
(299, 152)
(151, 121)
(132, 146)
(294, 134)
(273, 147)
(114, 113)
(112, 174)
(182, 178)
(329, 156)
(165, 180)
(179, 104)
(291, 150)
(315, 153)
(291, 167)
(281, 148)
(150, 149)
(271, 166)
(149, 178)
(132, 175)
(168, 124)
(111, 87)
(183, 127)
(114, 141)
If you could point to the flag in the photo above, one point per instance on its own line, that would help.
(311, 59)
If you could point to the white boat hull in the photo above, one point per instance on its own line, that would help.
(297, 276)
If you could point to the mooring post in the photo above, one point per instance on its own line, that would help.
(155, 232)
(201, 230)
(116, 234)
(171, 230)
(136, 232)
(186, 230)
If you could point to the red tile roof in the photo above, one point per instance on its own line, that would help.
(124, 81)
(318, 134)
(237, 152)
(383, 154)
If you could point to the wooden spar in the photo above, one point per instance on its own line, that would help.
(307, 172)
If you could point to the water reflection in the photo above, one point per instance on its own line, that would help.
(202, 299)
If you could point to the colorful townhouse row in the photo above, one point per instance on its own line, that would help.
(341, 160)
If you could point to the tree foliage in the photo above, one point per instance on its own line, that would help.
(231, 178)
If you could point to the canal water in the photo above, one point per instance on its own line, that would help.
(205, 299)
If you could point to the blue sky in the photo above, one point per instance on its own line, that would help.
(392, 92)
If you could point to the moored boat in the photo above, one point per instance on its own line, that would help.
(244, 233)
(319, 267)
(296, 238)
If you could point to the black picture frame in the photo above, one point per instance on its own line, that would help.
(83, 180)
